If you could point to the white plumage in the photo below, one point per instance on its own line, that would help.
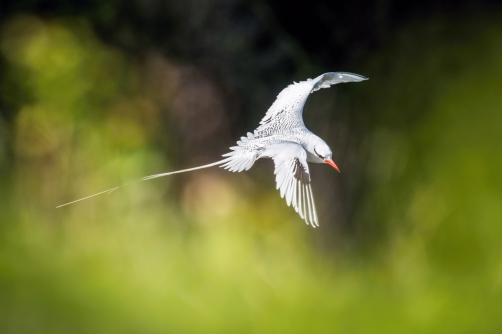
(283, 137)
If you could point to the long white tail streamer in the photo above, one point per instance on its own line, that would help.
(109, 191)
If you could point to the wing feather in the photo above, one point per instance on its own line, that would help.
(293, 179)
(316, 220)
(301, 201)
(239, 160)
(287, 110)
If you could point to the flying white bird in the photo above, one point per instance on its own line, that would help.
(283, 137)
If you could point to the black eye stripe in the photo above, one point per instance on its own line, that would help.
(318, 154)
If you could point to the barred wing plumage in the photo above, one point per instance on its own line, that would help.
(286, 112)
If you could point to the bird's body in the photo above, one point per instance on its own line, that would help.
(283, 137)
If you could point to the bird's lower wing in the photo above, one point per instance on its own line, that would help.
(293, 179)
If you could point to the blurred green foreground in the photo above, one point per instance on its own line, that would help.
(226, 255)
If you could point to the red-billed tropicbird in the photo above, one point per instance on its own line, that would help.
(283, 137)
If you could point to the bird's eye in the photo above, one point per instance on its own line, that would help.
(320, 156)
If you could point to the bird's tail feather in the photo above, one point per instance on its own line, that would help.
(109, 191)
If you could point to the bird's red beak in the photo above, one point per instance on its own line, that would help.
(332, 164)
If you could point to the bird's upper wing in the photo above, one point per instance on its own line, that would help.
(286, 112)
(293, 178)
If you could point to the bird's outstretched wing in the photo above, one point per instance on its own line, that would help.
(293, 179)
(286, 112)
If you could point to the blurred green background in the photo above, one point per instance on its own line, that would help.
(97, 93)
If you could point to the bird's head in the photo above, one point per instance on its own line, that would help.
(323, 152)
